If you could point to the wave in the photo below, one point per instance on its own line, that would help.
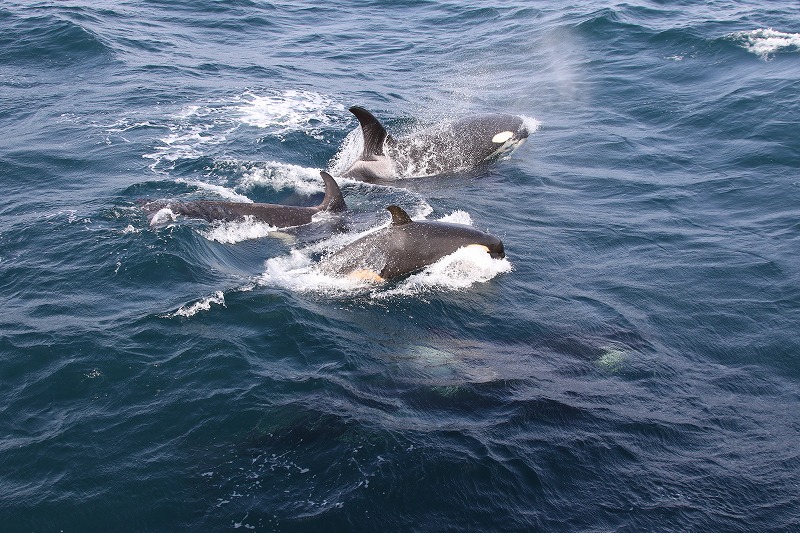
(626, 28)
(50, 39)
(766, 42)
(189, 310)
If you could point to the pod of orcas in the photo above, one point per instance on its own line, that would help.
(405, 246)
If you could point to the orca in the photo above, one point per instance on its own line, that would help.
(447, 147)
(404, 247)
(280, 216)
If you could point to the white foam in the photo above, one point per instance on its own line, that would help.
(124, 125)
(459, 270)
(281, 176)
(295, 272)
(163, 216)
(275, 175)
(196, 128)
(202, 305)
(291, 110)
(224, 192)
(186, 141)
(238, 231)
(457, 217)
(765, 41)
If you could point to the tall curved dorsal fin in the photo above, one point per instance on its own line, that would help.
(372, 130)
(333, 201)
(399, 217)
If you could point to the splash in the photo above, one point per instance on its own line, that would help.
(457, 217)
(297, 273)
(163, 216)
(349, 152)
(767, 42)
(197, 130)
(459, 270)
(531, 124)
(238, 231)
(187, 311)
(224, 192)
(187, 140)
(281, 176)
(289, 111)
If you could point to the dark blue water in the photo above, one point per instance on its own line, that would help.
(632, 364)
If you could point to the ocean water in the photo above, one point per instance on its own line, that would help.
(633, 364)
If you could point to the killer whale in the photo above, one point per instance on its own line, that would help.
(448, 147)
(404, 247)
(280, 216)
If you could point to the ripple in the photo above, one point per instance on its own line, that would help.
(50, 39)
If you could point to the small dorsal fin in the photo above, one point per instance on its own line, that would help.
(333, 200)
(373, 132)
(399, 217)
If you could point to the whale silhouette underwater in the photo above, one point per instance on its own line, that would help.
(445, 148)
(404, 247)
(280, 216)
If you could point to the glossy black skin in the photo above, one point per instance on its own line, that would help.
(458, 145)
(406, 246)
(280, 216)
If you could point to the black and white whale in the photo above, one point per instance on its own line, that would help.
(444, 148)
(280, 216)
(404, 247)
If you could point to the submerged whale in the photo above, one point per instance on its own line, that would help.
(445, 148)
(280, 216)
(405, 246)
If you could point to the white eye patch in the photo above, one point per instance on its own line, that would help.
(502, 137)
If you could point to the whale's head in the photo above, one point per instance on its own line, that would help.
(495, 247)
(466, 236)
(505, 134)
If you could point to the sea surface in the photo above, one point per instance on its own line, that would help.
(633, 364)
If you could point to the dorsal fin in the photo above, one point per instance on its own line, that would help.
(373, 132)
(399, 217)
(333, 201)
